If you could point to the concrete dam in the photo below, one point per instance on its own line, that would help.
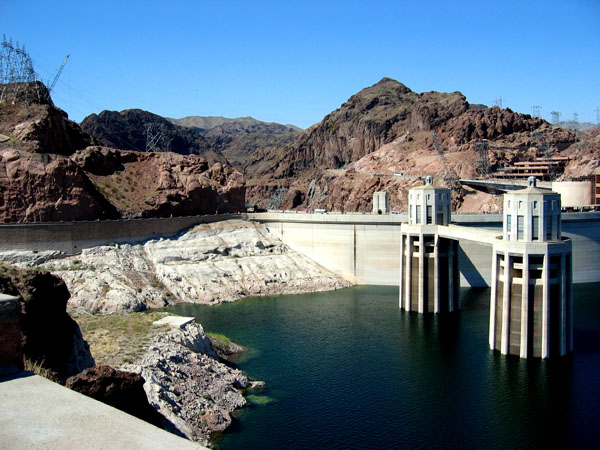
(527, 259)
(365, 248)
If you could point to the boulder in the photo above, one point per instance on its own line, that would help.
(51, 338)
(117, 388)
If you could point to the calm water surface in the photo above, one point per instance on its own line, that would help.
(348, 369)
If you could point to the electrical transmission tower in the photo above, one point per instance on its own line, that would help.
(498, 102)
(451, 179)
(575, 121)
(156, 141)
(535, 111)
(483, 162)
(16, 74)
(555, 117)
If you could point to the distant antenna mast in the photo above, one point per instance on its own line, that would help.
(60, 69)
(535, 111)
(555, 117)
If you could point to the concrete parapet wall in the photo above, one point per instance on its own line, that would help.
(72, 237)
(334, 218)
(37, 413)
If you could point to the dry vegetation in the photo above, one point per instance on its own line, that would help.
(117, 339)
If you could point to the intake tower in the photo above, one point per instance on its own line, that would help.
(531, 299)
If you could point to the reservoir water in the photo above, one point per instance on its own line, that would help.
(348, 369)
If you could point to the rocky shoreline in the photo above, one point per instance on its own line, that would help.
(188, 385)
(209, 264)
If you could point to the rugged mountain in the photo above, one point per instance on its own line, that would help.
(373, 117)
(97, 182)
(32, 123)
(217, 126)
(217, 139)
(386, 128)
(132, 129)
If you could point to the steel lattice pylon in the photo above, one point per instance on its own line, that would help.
(16, 74)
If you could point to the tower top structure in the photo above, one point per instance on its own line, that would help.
(429, 204)
(532, 214)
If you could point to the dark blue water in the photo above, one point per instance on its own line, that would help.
(348, 369)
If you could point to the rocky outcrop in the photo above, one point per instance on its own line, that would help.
(163, 184)
(495, 123)
(37, 191)
(211, 263)
(585, 155)
(50, 337)
(101, 183)
(117, 388)
(194, 392)
(37, 126)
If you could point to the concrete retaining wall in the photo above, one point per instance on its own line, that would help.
(72, 237)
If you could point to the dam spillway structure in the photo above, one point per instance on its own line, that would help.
(531, 293)
(429, 276)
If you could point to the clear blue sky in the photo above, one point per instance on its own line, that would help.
(296, 61)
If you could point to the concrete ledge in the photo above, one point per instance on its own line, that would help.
(37, 413)
(174, 321)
